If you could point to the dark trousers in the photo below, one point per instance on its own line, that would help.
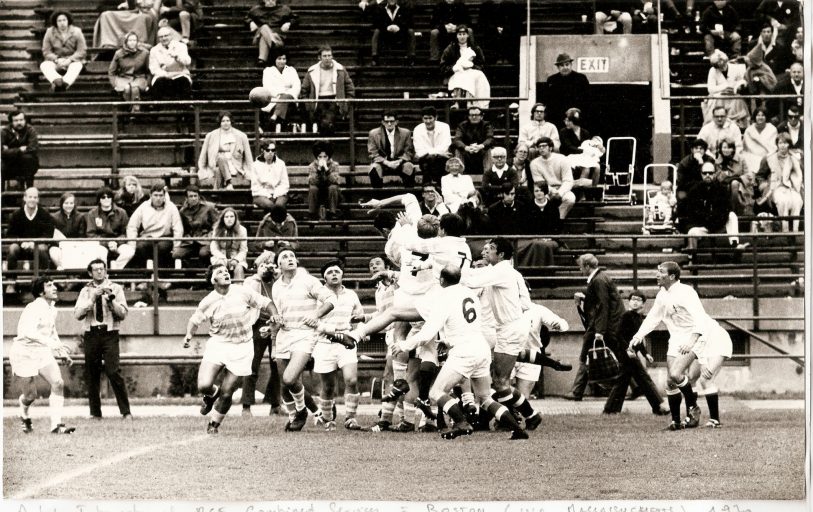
(395, 40)
(102, 353)
(322, 193)
(324, 115)
(21, 168)
(631, 368)
(16, 252)
(171, 89)
(144, 252)
(272, 389)
(433, 167)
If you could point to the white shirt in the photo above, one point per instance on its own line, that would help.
(436, 142)
(413, 211)
(456, 190)
(285, 82)
(537, 315)
(555, 171)
(269, 180)
(37, 325)
(680, 309)
(442, 251)
(454, 312)
(501, 288)
(391, 137)
(534, 130)
(164, 64)
(713, 134)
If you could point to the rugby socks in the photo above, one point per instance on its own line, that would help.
(24, 407)
(503, 415)
(426, 378)
(467, 398)
(387, 409)
(409, 412)
(289, 408)
(399, 408)
(674, 397)
(221, 408)
(685, 387)
(452, 407)
(310, 403)
(713, 401)
(351, 405)
(211, 391)
(514, 399)
(298, 396)
(326, 406)
(55, 404)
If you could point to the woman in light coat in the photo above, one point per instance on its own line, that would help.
(225, 156)
(785, 182)
(64, 50)
(758, 140)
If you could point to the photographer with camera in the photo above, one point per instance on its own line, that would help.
(101, 307)
(323, 182)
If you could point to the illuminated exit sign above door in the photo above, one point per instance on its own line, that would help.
(593, 65)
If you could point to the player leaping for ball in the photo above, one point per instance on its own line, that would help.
(697, 346)
(231, 311)
(454, 309)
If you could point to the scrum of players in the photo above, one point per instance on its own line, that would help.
(458, 333)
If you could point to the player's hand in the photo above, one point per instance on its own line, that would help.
(636, 341)
(685, 347)
(631, 352)
(310, 321)
(650, 359)
(598, 337)
(372, 203)
(396, 349)
(275, 319)
(578, 298)
(187, 340)
(286, 27)
(705, 372)
(402, 219)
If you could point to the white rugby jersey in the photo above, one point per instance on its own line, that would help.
(346, 305)
(298, 298)
(442, 250)
(413, 211)
(502, 286)
(231, 316)
(537, 314)
(37, 325)
(680, 309)
(455, 314)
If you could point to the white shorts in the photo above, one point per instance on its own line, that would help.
(716, 344)
(511, 337)
(236, 357)
(329, 357)
(472, 365)
(527, 371)
(294, 340)
(28, 361)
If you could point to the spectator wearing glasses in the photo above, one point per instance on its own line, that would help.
(497, 176)
(432, 140)
(323, 182)
(708, 210)
(721, 128)
(791, 83)
(795, 129)
(472, 141)
(269, 179)
(531, 131)
(106, 220)
(391, 151)
(169, 67)
(688, 169)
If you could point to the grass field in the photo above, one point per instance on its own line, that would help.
(758, 455)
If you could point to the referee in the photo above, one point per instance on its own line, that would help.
(101, 307)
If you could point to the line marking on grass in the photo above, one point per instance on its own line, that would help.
(59, 479)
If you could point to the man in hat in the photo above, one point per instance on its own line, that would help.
(565, 89)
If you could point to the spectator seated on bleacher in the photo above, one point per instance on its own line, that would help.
(508, 216)
(783, 173)
(759, 77)
(688, 169)
(432, 203)
(543, 220)
(199, 218)
(725, 79)
(139, 16)
(720, 26)
(462, 64)
(232, 253)
(645, 17)
(587, 163)
(393, 22)
(282, 81)
(495, 177)
(277, 223)
(573, 134)
(326, 80)
(456, 187)
(269, 178)
(447, 15)
(269, 22)
(728, 161)
(130, 195)
(169, 66)
(182, 15)
(791, 83)
(521, 163)
(20, 150)
(784, 15)
(758, 140)
(661, 206)
(721, 128)
(565, 89)
(323, 182)
(129, 69)
(531, 131)
(106, 220)
(391, 152)
(63, 50)
(708, 210)
(613, 17)
(554, 169)
(797, 46)
(472, 141)
(432, 140)
(793, 126)
(30, 221)
(742, 194)
(155, 218)
(68, 223)
(777, 56)
(225, 156)
(500, 27)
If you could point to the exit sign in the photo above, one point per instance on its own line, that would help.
(593, 65)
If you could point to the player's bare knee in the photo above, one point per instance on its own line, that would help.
(435, 393)
(351, 385)
(58, 386)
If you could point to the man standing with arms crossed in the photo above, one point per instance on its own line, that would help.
(101, 307)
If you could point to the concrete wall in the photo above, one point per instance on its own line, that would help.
(765, 375)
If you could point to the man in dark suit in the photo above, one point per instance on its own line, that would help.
(391, 152)
(394, 22)
(565, 89)
(792, 82)
(602, 309)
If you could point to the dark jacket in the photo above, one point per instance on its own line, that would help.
(71, 227)
(41, 226)
(630, 323)
(603, 308)
(789, 14)
(728, 18)
(563, 92)
(708, 205)
(491, 186)
(275, 17)
(288, 229)
(112, 224)
(382, 20)
(451, 54)
(544, 221)
(444, 12)
(507, 220)
(198, 221)
(470, 133)
(688, 172)
(570, 142)
(13, 140)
